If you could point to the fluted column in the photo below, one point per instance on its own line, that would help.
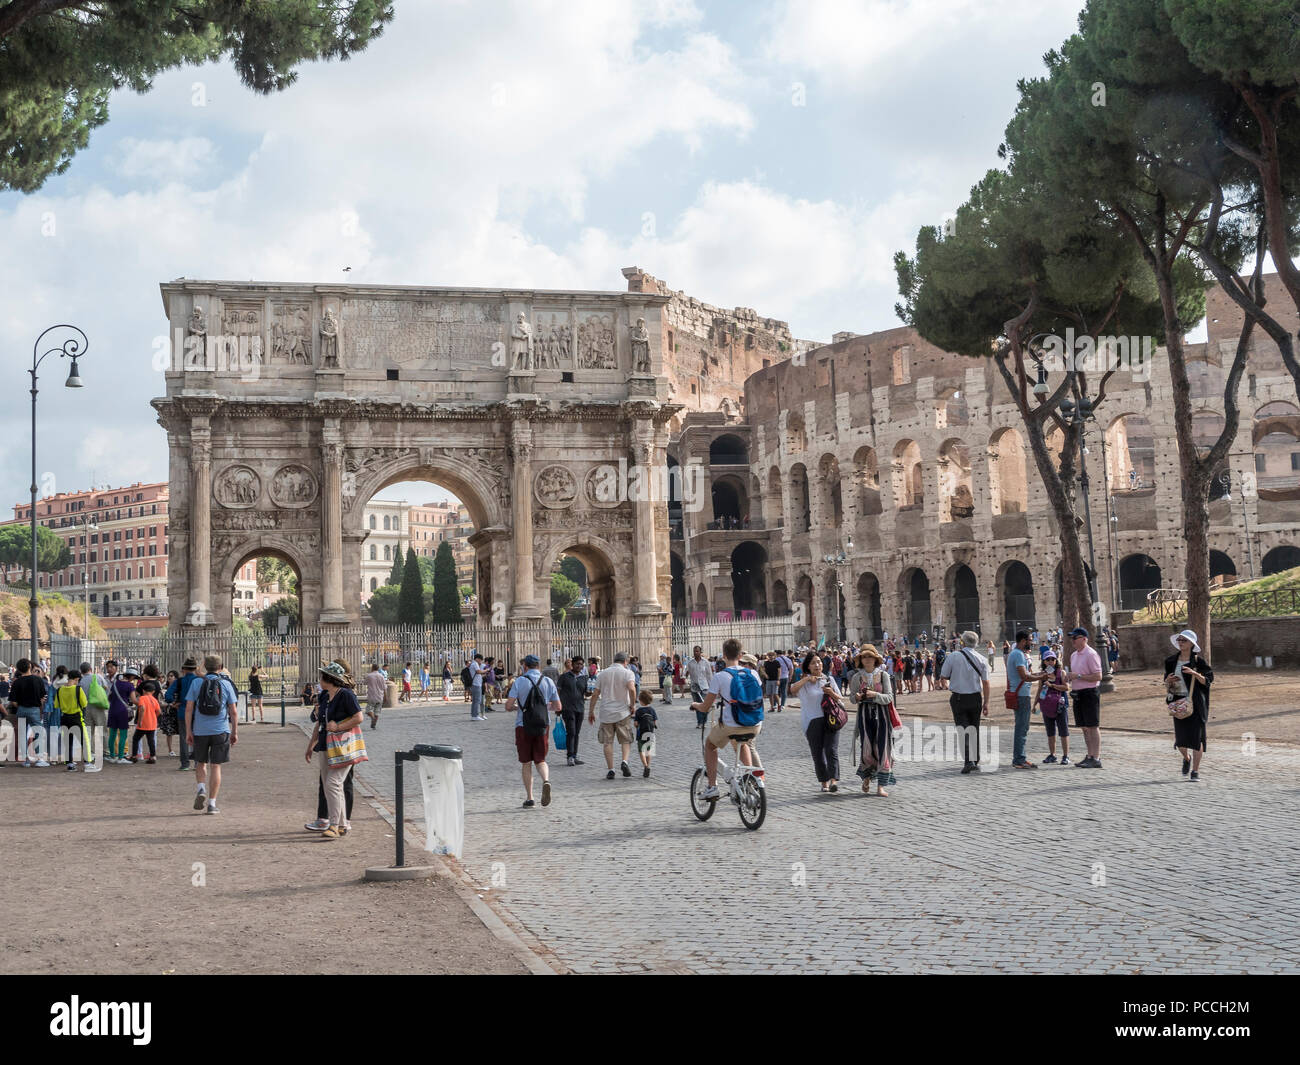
(521, 505)
(645, 571)
(199, 610)
(332, 529)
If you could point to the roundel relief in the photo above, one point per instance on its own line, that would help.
(555, 487)
(293, 486)
(237, 487)
(603, 486)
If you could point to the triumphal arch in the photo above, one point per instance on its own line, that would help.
(288, 406)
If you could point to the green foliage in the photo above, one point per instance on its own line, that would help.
(60, 60)
(16, 548)
(383, 604)
(410, 602)
(465, 590)
(564, 593)
(446, 596)
(398, 571)
(271, 570)
(426, 570)
(285, 606)
(573, 568)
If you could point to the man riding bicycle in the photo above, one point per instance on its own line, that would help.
(726, 728)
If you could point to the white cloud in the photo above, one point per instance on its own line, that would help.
(159, 161)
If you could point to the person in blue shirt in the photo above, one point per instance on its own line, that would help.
(532, 749)
(1021, 681)
(211, 734)
(184, 693)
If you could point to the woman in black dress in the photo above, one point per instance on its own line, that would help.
(1196, 676)
(255, 694)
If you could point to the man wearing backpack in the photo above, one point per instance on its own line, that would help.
(615, 697)
(533, 698)
(740, 691)
(211, 724)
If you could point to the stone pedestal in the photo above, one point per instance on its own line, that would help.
(521, 382)
(642, 385)
(330, 384)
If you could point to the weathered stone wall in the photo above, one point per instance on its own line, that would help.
(1234, 643)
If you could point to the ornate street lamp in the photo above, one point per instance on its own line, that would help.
(72, 348)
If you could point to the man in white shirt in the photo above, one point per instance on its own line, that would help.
(968, 685)
(478, 671)
(699, 675)
(376, 684)
(614, 700)
(721, 733)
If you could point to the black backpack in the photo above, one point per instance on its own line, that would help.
(466, 678)
(211, 701)
(534, 710)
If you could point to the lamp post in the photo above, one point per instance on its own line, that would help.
(1225, 479)
(73, 348)
(88, 526)
(1080, 414)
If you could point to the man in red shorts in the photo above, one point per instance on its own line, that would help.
(529, 743)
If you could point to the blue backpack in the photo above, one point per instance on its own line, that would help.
(746, 696)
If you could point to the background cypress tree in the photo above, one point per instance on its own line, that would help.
(446, 596)
(410, 603)
(398, 571)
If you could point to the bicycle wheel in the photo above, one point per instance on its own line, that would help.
(753, 803)
(700, 807)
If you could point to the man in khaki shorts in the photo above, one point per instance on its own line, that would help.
(720, 691)
(614, 700)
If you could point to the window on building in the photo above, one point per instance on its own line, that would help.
(153, 571)
(129, 532)
(153, 592)
(902, 369)
(1260, 462)
(372, 521)
(117, 534)
(374, 552)
(1295, 460)
(374, 584)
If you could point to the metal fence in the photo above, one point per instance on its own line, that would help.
(1170, 604)
(294, 658)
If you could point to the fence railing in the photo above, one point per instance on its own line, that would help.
(1170, 604)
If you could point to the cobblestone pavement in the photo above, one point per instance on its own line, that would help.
(997, 871)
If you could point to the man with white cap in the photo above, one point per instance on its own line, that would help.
(1084, 675)
(968, 685)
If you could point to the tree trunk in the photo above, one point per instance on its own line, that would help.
(1074, 607)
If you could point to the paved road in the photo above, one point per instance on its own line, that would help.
(999, 871)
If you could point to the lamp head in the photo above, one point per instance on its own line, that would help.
(74, 378)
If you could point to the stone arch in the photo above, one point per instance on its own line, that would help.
(1131, 452)
(597, 556)
(796, 435)
(866, 479)
(227, 559)
(950, 407)
(956, 500)
(1019, 606)
(1283, 557)
(1275, 438)
(773, 500)
(730, 500)
(701, 603)
(486, 494)
(828, 473)
(908, 476)
(680, 606)
(780, 598)
(1008, 482)
(1223, 571)
(800, 502)
(915, 593)
(1138, 575)
(803, 598)
(869, 610)
(728, 450)
(749, 577)
(962, 594)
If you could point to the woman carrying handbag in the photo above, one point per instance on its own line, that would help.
(337, 742)
(1188, 677)
(874, 692)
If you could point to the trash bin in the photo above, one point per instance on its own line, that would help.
(390, 694)
(443, 782)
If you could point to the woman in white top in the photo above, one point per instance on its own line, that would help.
(822, 741)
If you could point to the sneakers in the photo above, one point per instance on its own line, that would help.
(93, 767)
(627, 771)
(1084, 763)
(317, 826)
(212, 808)
(42, 764)
(1023, 765)
(1065, 759)
(569, 762)
(646, 771)
(546, 793)
(72, 768)
(710, 793)
(151, 761)
(1050, 760)
(579, 761)
(200, 799)
(330, 833)
(1187, 766)
(609, 775)
(1195, 776)
(528, 803)
(967, 768)
(183, 768)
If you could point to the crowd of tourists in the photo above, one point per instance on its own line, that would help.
(115, 715)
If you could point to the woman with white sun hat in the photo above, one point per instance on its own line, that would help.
(1188, 677)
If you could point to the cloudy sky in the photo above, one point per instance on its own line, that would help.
(769, 155)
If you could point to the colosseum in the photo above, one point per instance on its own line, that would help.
(878, 483)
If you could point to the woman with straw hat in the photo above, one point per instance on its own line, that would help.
(337, 742)
(1187, 672)
(874, 692)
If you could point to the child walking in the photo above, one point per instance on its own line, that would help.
(146, 726)
(647, 721)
